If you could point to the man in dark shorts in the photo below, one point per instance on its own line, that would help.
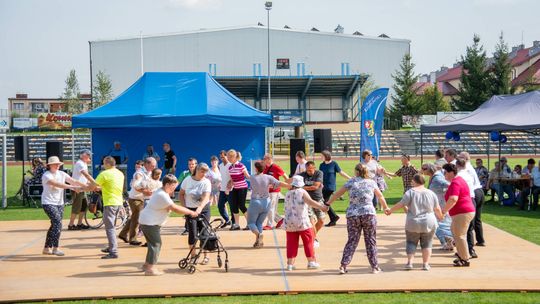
(169, 166)
(313, 180)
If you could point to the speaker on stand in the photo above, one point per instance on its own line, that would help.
(322, 140)
(296, 144)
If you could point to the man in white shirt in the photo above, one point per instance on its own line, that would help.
(138, 193)
(79, 205)
(476, 223)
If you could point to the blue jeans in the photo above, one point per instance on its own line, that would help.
(222, 202)
(257, 212)
(501, 189)
(444, 229)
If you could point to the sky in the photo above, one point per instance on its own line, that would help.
(42, 40)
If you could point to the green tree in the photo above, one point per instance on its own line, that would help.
(432, 101)
(405, 101)
(102, 90)
(532, 83)
(71, 94)
(501, 69)
(368, 87)
(475, 87)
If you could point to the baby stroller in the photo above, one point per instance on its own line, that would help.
(208, 243)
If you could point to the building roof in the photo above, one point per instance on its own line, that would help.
(420, 87)
(311, 32)
(531, 72)
(450, 74)
(302, 86)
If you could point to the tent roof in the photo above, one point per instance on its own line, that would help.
(168, 99)
(499, 113)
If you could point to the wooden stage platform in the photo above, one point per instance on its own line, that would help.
(507, 263)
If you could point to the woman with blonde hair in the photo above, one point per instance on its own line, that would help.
(361, 216)
(238, 187)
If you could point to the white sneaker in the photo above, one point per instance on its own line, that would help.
(57, 252)
(316, 244)
(290, 267)
(409, 267)
(313, 265)
(426, 267)
(376, 270)
(47, 250)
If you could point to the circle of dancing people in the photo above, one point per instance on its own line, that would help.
(448, 208)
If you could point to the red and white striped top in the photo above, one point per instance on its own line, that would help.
(236, 171)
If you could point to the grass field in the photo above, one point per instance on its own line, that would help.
(523, 224)
(358, 298)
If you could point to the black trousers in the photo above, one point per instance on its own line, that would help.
(475, 227)
(194, 226)
(331, 213)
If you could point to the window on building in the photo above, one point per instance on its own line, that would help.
(39, 107)
(18, 106)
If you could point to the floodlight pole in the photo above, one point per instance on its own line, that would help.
(268, 7)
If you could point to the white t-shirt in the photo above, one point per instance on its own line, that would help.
(141, 183)
(156, 211)
(77, 169)
(301, 167)
(52, 195)
(469, 179)
(194, 190)
(225, 177)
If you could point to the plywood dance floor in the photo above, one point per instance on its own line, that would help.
(508, 263)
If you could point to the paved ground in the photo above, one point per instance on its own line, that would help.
(508, 263)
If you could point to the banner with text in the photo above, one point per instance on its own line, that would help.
(54, 121)
(372, 111)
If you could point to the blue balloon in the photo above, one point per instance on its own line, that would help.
(457, 137)
(449, 135)
(503, 139)
(495, 135)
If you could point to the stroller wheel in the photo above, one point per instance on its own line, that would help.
(191, 269)
(226, 265)
(219, 262)
(183, 263)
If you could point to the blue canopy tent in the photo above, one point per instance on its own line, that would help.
(191, 111)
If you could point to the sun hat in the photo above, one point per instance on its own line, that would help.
(54, 160)
(297, 181)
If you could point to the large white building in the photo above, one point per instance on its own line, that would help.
(316, 73)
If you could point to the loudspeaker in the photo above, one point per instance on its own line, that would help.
(21, 148)
(55, 148)
(296, 144)
(322, 140)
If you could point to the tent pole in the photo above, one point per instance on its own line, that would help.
(488, 151)
(421, 148)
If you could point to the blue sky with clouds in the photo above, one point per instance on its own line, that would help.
(40, 40)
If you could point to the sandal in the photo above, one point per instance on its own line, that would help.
(461, 263)
(205, 261)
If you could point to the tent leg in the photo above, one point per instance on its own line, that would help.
(421, 148)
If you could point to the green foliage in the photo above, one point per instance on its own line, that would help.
(405, 101)
(432, 101)
(102, 90)
(475, 86)
(71, 94)
(501, 69)
(368, 87)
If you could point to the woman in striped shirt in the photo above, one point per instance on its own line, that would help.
(239, 186)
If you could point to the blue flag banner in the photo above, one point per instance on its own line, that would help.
(372, 111)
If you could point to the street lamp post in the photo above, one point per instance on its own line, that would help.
(268, 7)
